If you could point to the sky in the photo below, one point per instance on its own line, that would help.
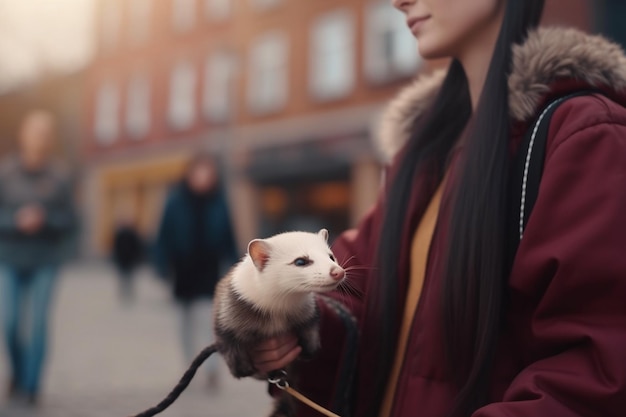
(35, 35)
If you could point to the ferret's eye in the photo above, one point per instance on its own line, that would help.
(301, 262)
(332, 258)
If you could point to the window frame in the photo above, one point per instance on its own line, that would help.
(182, 111)
(106, 127)
(224, 12)
(216, 64)
(319, 85)
(140, 19)
(257, 87)
(184, 15)
(138, 119)
(265, 5)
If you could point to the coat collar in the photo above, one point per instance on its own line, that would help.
(547, 55)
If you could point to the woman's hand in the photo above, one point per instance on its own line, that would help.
(275, 353)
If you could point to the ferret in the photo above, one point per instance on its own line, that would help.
(271, 291)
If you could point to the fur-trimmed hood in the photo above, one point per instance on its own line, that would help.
(547, 54)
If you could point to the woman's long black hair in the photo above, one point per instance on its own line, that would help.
(475, 265)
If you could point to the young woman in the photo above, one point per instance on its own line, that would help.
(449, 324)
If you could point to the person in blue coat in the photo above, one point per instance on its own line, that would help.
(195, 240)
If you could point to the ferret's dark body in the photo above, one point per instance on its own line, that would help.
(240, 326)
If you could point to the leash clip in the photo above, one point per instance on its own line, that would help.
(279, 378)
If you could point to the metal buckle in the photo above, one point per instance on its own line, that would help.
(279, 378)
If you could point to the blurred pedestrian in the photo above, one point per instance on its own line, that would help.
(127, 254)
(194, 240)
(458, 314)
(37, 219)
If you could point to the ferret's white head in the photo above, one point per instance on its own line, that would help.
(296, 262)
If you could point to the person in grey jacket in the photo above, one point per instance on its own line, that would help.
(37, 220)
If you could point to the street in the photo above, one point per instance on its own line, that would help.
(106, 359)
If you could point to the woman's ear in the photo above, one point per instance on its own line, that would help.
(259, 251)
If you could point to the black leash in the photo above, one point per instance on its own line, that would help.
(182, 384)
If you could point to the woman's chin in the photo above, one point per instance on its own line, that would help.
(431, 53)
(432, 47)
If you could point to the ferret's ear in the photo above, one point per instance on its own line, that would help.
(324, 234)
(259, 251)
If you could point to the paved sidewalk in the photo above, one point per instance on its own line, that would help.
(107, 360)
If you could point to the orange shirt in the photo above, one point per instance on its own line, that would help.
(419, 257)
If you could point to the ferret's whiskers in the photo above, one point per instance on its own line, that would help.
(360, 268)
(349, 290)
(349, 285)
(345, 262)
(347, 299)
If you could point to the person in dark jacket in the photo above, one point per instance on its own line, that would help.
(195, 241)
(447, 326)
(37, 221)
(127, 254)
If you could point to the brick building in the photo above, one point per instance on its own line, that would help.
(285, 92)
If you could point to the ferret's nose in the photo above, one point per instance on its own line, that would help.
(337, 273)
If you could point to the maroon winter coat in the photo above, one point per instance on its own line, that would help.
(563, 350)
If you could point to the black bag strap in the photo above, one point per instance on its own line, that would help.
(528, 169)
(344, 387)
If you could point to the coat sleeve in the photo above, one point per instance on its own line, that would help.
(327, 379)
(571, 267)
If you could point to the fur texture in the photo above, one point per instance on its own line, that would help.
(280, 284)
(270, 292)
(547, 54)
(400, 115)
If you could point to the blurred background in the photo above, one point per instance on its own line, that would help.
(285, 94)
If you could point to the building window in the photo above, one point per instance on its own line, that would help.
(138, 107)
(106, 113)
(110, 24)
(264, 4)
(181, 109)
(268, 75)
(332, 69)
(183, 15)
(218, 86)
(218, 9)
(390, 48)
(140, 16)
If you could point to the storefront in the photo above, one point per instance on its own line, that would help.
(310, 184)
(132, 191)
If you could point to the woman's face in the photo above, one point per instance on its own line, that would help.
(452, 28)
